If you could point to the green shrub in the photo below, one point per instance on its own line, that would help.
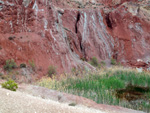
(113, 62)
(103, 63)
(83, 58)
(23, 65)
(51, 71)
(94, 62)
(32, 64)
(73, 70)
(10, 64)
(1, 74)
(10, 84)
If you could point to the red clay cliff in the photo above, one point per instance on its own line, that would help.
(64, 33)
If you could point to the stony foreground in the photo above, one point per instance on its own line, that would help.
(17, 102)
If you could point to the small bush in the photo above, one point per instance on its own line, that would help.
(73, 70)
(4, 77)
(51, 71)
(1, 74)
(10, 84)
(22, 65)
(94, 62)
(113, 62)
(32, 64)
(103, 63)
(83, 58)
(10, 64)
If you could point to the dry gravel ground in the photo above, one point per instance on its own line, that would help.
(19, 102)
(36, 99)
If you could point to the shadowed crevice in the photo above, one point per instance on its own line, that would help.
(78, 18)
(108, 21)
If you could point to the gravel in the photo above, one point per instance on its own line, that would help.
(19, 102)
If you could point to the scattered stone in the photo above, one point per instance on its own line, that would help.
(72, 104)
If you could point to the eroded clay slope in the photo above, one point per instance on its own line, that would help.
(129, 24)
(41, 31)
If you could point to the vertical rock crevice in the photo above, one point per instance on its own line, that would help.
(76, 30)
(108, 21)
(78, 19)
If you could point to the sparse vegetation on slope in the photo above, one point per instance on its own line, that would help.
(94, 62)
(10, 64)
(32, 64)
(113, 62)
(51, 71)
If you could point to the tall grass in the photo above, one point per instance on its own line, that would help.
(101, 86)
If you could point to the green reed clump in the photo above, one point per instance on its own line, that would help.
(101, 87)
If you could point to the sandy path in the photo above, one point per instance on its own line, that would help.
(18, 102)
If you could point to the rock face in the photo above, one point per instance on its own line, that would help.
(43, 32)
(129, 25)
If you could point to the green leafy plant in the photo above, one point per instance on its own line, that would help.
(103, 63)
(10, 84)
(10, 64)
(83, 58)
(1, 74)
(94, 62)
(113, 62)
(32, 64)
(51, 71)
(73, 70)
